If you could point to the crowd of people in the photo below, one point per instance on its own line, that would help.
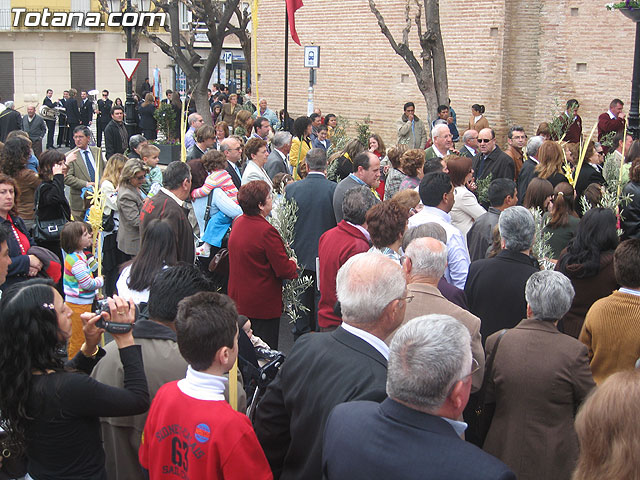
(431, 340)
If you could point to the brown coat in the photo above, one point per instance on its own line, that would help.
(540, 376)
(427, 299)
(28, 181)
(479, 125)
(516, 156)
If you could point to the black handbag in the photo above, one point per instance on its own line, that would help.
(45, 231)
(108, 222)
(14, 463)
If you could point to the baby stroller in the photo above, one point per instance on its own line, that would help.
(256, 377)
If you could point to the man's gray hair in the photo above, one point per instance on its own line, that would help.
(9, 104)
(427, 357)
(439, 127)
(356, 203)
(549, 294)
(316, 160)
(533, 145)
(366, 284)
(175, 174)
(192, 118)
(136, 140)
(517, 228)
(467, 135)
(429, 229)
(426, 261)
(280, 139)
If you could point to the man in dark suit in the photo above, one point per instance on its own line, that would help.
(63, 127)
(233, 153)
(73, 114)
(314, 197)
(528, 170)
(104, 114)
(491, 160)
(51, 124)
(495, 286)
(470, 147)
(325, 369)
(277, 161)
(116, 138)
(415, 433)
(86, 109)
(10, 120)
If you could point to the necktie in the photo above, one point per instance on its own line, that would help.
(90, 169)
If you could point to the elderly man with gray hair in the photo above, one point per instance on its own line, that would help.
(337, 245)
(495, 286)
(538, 380)
(415, 433)
(424, 262)
(527, 172)
(326, 369)
(278, 159)
(442, 142)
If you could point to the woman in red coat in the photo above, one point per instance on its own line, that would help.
(258, 262)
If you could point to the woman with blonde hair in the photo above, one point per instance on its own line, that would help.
(130, 199)
(607, 432)
(112, 257)
(551, 159)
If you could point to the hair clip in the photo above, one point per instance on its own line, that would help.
(50, 306)
(560, 193)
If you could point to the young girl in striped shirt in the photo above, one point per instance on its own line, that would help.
(215, 162)
(80, 287)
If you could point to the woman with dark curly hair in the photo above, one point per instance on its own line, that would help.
(386, 223)
(588, 262)
(13, 160)
(52, 203)
(412, 162)
(258, 262)
(54, 409)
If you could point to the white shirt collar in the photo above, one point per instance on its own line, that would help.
(202, 386)
(534, 159)
(471, 149)
(171, 195)
(282, 155)
(629, 291)
(477, 119)
(611, 115)
(372, 340)
(437, 151)
(362, 229)
(317, 173)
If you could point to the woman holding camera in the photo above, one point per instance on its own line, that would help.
(51, 408)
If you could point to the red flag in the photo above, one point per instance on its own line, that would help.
(292, 6)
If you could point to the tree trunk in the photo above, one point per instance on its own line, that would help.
(441, 83)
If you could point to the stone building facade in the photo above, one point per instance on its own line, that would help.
(517, 57)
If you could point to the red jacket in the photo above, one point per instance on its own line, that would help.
(258, 262)
(607, 124)
(335, 248)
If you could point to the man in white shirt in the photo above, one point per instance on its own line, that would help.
(442, 142)
(436, 193)
(195, 121)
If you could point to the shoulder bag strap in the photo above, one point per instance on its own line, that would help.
(489, 367)
(207, 212)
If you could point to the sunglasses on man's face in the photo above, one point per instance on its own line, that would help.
(484, 140)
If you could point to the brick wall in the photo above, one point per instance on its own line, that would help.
(517, 57)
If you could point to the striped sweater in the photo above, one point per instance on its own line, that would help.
(79, 285)
(219, 178)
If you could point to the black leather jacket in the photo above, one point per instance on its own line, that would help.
(631, 213)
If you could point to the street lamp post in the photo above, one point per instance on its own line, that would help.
(634, 111)
(129, 106)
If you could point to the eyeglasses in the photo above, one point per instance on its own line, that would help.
(139, 177)
(407, 299)
(475, 366)
(484, 140)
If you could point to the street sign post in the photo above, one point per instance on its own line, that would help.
(311, 61)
